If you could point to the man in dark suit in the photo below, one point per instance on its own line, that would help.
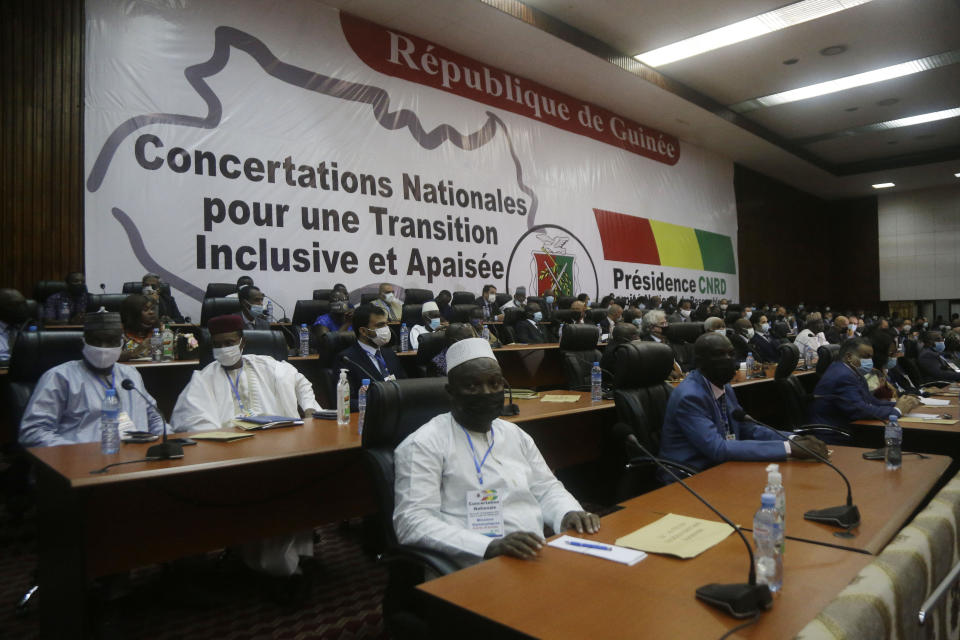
(763, 349)
(614, 313)
(682, 314)
(488, 303)
(699, 429)
(527, 331)
(933, 366)
(368, 358)
(837, 332)
(842, 395)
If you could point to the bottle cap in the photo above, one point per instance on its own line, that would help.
(365, 382)
(303, 325)
(893, 417)
(111, 392)
(596, 364)
(768, 500)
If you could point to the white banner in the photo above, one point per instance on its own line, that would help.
(304, 147)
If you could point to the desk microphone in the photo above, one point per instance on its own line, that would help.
(373, 376)
(282, 310)
(846, 516)
(739, 600)
(509, 409)
(165, 450)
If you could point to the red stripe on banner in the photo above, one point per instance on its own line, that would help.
(626, 238)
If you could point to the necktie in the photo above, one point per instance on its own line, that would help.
(382, 363)
(722, 401)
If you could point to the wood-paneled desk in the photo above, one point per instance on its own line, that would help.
(578, 597)
(924, 437)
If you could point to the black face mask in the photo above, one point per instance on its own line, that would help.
(719, 371)
(477, 409)
(76, 289)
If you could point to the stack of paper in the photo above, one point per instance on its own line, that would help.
(933, 402)
(628, 557)
(923, 416)
(256, 423)
(556, 397)
(221, 436)
(679, 536)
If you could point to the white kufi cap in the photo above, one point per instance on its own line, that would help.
(466, 350)
(429, 305)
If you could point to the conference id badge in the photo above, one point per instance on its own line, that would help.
(126, 424)
(731, 435)
(953, 366)
(390, 377)
(485, 512)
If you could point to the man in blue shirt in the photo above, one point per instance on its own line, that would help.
(699, 429)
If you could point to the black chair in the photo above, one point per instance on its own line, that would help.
(329, 345)
(132, 287)
(794, 399)
(428, 346)
(740, 345)
(641, 394)
(260, 342)
(109, 301)
(366, 298)
(578, 348)
(463, 297)
(462, 312)
(412, 314)
(213, 307)
(307, 312)
(508, 330)
(322, 294)
(595, 316)
(779, 332)
(46, 288)
(564, 302)
(682, 335)
(33, 310)
(395, 409)
(502, 299)
(417, 296)
(826, 354)
(220, 289)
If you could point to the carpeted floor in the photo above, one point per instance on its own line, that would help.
(215, 597)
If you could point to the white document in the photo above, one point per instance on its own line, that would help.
(933, 402)
(923, 416)
(622, 555)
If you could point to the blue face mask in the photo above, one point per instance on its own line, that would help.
(638, 322)
(765, 327)
(434, 323)
(940, 346)
(891, 363)
(256, 310)
(549, 299)
(537, 316)
(866, 365)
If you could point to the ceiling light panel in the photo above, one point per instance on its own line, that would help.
(849, 82)
(788, 16)
(883, 185)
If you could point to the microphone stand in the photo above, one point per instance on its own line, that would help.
(166, 450)
(509, 409)
(846, 516)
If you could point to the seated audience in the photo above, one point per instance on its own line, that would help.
(242, 281)
(614, 313)
(654, 322)
(763, 348)
(167, 308)
(431, 322)
(456, 332)
(842, 395)
(699, 429)
(527, 331)
(75, 297)
(933, 366)
(715, 325)
(65, 407)
(518, 300)
(877, 380)
(367, 358)
(468, 451)
(812, 336)
(139, 316)
(682, 314)
(838, 332)
(388, 303)
(338, 318)
(443, 300)
(13, 314)
(251, 308)
(488, 303)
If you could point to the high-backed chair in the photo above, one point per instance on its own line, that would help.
(682, 335)
(511, 316)
(463, 297)
(33, 353)
(596, 315)
(641, 394)
(322, 294)
(826, 355)
(261, 342)
(307, 311)
(329, 345)
(132, 287)
(578, 347)
(564, 302)
(46, 288)
(220, 289)
(395, 409)
(428, 346)
(412, 314)
(417, 296)
(109, 301)
(740, 345)
(462, 312)
(213, 307)
(33, 310)
(779, 332)
(794, 400)
(503, 298)
(368, 297)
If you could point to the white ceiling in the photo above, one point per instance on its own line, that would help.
(877, 34)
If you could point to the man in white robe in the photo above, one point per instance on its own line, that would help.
(67, 402)
(467, 455)
(237, 385)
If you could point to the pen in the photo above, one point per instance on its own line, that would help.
(589, 545)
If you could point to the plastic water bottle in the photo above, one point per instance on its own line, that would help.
(156, 345)
(807, 357)
(343, 399)
(269, 310)
(596, 380)
(766, 533)
(404, 337)
(304, 340)
(485, 333)
(750, 365)
(167, 354)
(892, 438)
(775, 486)
(486, 312)
(362, 402)
(64, 313)
(110, 423)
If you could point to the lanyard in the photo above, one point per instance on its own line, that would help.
(113, 379)
(236, 391)
(478, 464)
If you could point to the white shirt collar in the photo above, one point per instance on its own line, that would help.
(717, 391)
(371, 351)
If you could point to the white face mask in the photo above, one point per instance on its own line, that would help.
(492, 298)
(723, 307)
(685, 313)
(750, 333)
(389, 297)
(101, 357)
(382, 336)
(227, 356)
(721, 332)
(748, 314)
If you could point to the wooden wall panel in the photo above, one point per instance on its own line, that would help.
(41, 141)
(795, 247)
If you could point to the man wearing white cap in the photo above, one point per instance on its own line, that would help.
(431, 322)
(473, 486)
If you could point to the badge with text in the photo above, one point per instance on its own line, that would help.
(126, 424)
(485, 512)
